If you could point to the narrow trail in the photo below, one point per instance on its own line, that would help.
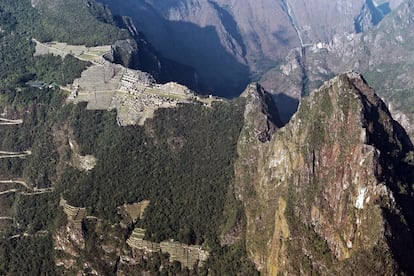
(4, 121)
(20, 154)
(9, 191)
(25, 234)
(11, 154)
(31, 191)
(92, 217)
(24, 189)
(37, 191)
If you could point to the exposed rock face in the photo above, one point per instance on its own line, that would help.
(69, 240)
(73, 242)
(330, 193)
(260, 102)
(35, 2)
(319, 21)
(124, 52)
(250, 149)
(371, 14)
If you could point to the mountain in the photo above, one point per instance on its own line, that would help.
(221, 72)
(383, 54)
(106, 171)
(331, 192)
(229, 43)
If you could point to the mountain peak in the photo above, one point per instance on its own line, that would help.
(337, 183)
(262, 110)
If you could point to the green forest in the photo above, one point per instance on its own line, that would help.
(182, 161)
(27, 246)
(20, 22)
(182, 166)
(78, 22)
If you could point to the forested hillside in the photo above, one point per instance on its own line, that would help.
(175, 161)
(20, 23)
(181, 160)
(78, 22)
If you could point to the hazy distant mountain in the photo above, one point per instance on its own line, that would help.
(384, 54)
(230, 42)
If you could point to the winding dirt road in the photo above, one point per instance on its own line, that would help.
(11, 181)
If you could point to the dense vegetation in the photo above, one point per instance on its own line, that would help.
(53, 69)
(16, 49)
(229, 260)
(28, 247)
(182, 162)
(40, 110)
(20, 23)
(27, 256)
(75, 22)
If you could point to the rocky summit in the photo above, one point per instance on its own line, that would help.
(331, 192)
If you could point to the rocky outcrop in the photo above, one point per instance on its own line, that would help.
(124, 52)
(370, 15)
(260, 105)
(331, 192)
(86, 245)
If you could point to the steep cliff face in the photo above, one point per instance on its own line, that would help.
(250, 148)
(371, 14)
(262, 111)
(331, 192)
